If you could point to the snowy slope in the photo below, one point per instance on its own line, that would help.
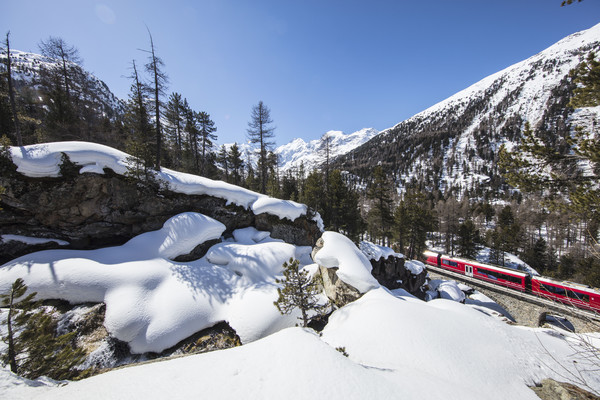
(454, 142)
(26, 69)
(398, 347)
(298, 151)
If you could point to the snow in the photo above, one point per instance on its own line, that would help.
(377, 252)
(31, 240)
(299, 152)
(152, 303)
(43, 160)
(448, 290)
(353, 266)
(414, 266)
(398, 347)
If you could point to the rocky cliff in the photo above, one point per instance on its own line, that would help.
(89, 211)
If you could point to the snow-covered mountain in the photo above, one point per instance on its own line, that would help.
(26, 71)
(311, 154)
(454, 143)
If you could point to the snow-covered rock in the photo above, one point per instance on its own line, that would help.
(152, 302)
(43, 160)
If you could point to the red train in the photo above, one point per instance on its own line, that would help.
(567, 292)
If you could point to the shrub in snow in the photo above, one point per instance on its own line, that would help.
(34, 349)
(299, 291)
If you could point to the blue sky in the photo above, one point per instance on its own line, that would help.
(318, 65)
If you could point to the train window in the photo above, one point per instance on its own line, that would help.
(495, 275)
(565, 292)
(451, 263)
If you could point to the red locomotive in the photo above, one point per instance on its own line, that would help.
(567, 292)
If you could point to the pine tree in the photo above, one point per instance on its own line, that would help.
(174, 114)
(261, 132)
(11, 93)
(380, 215)
(68, 55)
(413, 219)
(236, 164)
(223, 161)
(298, 290)
(206, 131)
(139, 129)
(313, 194)
(468, 239)
(544, 163)
(34, 349)
(325, 149)
(155, 67)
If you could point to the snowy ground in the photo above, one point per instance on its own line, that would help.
(398, 346)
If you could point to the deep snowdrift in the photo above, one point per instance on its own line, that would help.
(399, 347)
(152, 302)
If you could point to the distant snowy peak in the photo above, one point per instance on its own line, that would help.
(311, 154)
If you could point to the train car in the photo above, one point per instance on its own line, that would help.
(566, 292)
(490, 273)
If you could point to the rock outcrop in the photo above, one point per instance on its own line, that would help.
(91, 210)
(339, 292)
(391, 273)
(549, 389)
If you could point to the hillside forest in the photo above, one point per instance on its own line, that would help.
(530, 207)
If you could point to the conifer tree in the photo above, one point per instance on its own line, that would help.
(137, 123)
(236, 164)
(261, 132)
(57, 48)
(380, 215)
(468, 239)
(223, 161)
(174, 114)
(313, 194)
(11, 93)
(298, 290)
(155, 67)
(413, 219)
(546, 164)
(206, 128)
(34, 349)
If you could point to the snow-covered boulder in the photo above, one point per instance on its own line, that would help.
(346, 271)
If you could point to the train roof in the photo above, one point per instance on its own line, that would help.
(479, 264)
(573, 285)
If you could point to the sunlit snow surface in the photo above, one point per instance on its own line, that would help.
(398, 347)
(152, 302)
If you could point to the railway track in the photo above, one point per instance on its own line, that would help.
(551, 305)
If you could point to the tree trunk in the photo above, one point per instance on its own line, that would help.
(11, 94)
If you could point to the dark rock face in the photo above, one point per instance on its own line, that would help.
(92, 211)
(390, 272)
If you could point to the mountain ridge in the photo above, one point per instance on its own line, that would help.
(454, 143)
